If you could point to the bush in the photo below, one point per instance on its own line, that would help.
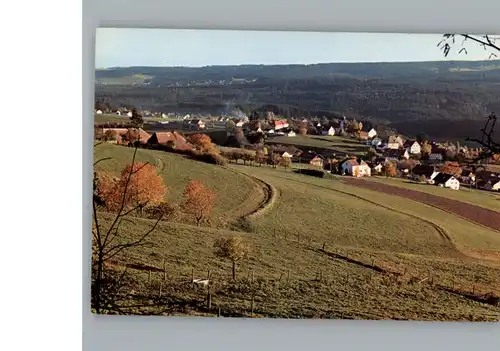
(212, 158)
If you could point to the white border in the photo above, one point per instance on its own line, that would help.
(137, 333)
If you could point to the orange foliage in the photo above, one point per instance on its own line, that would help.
(389, 169)
(452, 168)
(139, 185)
(202, 142)
(303, 131)
(200, 200)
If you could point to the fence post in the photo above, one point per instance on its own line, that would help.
(160, 289)
(252, 277)
(149, 276)
(192, 275)
(288, 276)
(323, 248)
(252, 305)
(164, 271)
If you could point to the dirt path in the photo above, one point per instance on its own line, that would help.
(262, 198)
(476, 214)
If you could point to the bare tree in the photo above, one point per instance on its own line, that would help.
(104, 246)
(489, 43)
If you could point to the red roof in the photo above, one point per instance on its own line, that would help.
(165, 137)
(143, 135)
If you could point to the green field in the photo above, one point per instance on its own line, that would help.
(114, 118)
(319, 249)
(125, 80)
(330, 144)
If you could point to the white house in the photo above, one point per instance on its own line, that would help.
(355, 168)
(331, 131)
(413, 148)
(240, 124)
(163, 115)
(259, 130)
(129, 114)
(376, 142)
(286, 154)
(99, 112)
(318, 125)
(378, 168)
(436, 154)
(270, 131)
(118, 113)
(372, 133)
(291, 134)
(447, 181)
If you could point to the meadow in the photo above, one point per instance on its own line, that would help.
(318, 248)
(330, 144)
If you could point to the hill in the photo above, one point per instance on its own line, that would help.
(320, 248)
(427, 95)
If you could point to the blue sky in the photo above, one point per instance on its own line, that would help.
(124, 47)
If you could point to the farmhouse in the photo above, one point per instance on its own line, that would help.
(99, 112)
(317, 161)
(239, 124)
(129, 114)
(467, 176)
(395, 139)
(330, 131)
(355, 168)
(413, 147)
(291, 133)
(372, 133)
(429, 172)
(490, 184)
(286, 154)
(395, 154)
(447, 181)
(280, 124)
(173, 139)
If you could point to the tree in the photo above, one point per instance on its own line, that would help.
(105, 285)
(132, 135)
(303, 131)
(136, 119)
(285, 162)
(202, 142)
(452, 168)
(422, 137)
(199, 200)
(426, 149)
(389, 169)
(230, 126)
(490, 45)
(139, 186)
(111, 135)
(233, 249)
(371, 153)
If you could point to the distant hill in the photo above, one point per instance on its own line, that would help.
(412, 96)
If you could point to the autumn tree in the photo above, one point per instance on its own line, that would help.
(233, 249)
(452, 168)
(285, 162)
(371, 153)
(202, 142)
(426, 149)
(111, 135)
(139, 186)
(230, 126)
(132, 135)
(199, 201)
(260, 157)
(136, 119)
(389, 169)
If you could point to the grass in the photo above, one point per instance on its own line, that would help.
(330, 144)
(233, 190)
(370, 258)
(114, 118)
(125, 80)
(472, 196)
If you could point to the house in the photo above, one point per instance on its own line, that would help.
(447, 181)
(163, 115)
(378, 168)
(355, 168)
(291, 133)
(413, 147)
(372, 133)
(286, 154)
(98, 112)
(490, 184)
(174, 139)
(330, 131)
(393, 145)
(395, 139)
(270, 131)
(123, 135)
(118, 113)
(395, 154)
(129, 114)
(259, 130)
(376, 142)
(318, 125)
(437, 154)
(317, 161)
(240, 124)
(429, 172)
(280, 124)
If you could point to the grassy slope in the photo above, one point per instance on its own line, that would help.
(233, 190)
(472, 196)
(334, 143)
(347, 225)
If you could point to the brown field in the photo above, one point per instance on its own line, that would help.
(477, 214)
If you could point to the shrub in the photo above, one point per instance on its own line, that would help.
(312, 172)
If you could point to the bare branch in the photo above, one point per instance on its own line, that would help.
(102, 159)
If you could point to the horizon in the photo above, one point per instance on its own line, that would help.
(301, 64)
(188, 48)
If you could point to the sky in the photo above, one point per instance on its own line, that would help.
(126, 47)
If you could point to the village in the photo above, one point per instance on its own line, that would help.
(447, 165)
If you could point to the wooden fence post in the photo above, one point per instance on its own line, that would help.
(160, 289)
(164, 271)
(252, 277)
(252, 305)
(209, 300)
(323, 248)
(149, 277)
(218, 312)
